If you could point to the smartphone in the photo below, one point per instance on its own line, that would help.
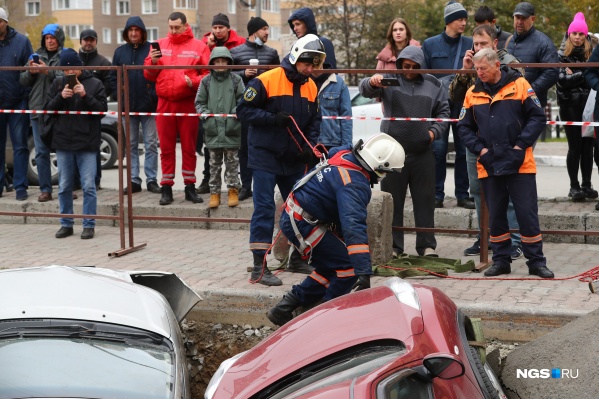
(390, 82)
(71, 80)
(35, 58)
(156, 46)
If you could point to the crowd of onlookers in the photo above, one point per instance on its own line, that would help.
(225, 140)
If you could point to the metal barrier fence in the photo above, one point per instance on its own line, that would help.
(123, 110)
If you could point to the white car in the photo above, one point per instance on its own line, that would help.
(369, 108)
(85, 332)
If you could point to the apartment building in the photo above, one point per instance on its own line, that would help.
(108, 17)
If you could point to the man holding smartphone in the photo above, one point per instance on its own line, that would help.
(176, 90)
(48, 54)
(417, 96)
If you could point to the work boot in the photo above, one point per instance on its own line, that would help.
(233, 198)
(214, 200)
(267, 278)
(167, 195)
(283, 312)
(191, 195)
(297, 265)
(203, 188)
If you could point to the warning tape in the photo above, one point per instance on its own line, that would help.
(358, 118)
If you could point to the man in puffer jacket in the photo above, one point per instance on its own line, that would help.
(176, 90)
(40, 82)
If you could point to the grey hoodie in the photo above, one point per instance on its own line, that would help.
(423, 97)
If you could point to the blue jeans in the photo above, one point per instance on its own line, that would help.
(146, 125)
(440, 147)
(475, 193)
(263, 218)
(85, 162)
(18, 124)
(42, 157)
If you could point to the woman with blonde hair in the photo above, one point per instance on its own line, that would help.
(399, 36)
(572, 93)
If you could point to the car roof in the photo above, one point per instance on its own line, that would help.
(82, 293)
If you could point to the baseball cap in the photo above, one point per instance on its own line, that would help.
(3, 14)
(524, 9)
(88, 33)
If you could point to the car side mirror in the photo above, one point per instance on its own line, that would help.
(444, 366)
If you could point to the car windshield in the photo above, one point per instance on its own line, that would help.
(74, 359)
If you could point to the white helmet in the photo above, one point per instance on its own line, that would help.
(309, 49)
(380, 154)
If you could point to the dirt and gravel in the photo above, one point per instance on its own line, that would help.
(208, 344)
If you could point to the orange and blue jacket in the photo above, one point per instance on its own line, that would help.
(513, 116)
(272, 148)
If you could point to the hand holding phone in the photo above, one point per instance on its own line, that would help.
(35, 58)
(156, 46)
(71, 80)
(390, 82)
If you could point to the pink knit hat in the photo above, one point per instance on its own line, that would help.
(579, 24)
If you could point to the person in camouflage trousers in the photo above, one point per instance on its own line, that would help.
(219, 93)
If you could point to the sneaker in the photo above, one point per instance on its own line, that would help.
(474, 250)
(134, 187)
(22, 195)
(516, 252)
(430, 252)
(589, 192)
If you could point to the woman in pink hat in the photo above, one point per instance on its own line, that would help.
(572, 93)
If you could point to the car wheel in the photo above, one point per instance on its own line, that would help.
(485, 373)
(108, 151)
(32, 175)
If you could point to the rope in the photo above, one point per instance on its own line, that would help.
(584, 277)
(264, 261)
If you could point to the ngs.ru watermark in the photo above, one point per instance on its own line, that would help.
(547, 373)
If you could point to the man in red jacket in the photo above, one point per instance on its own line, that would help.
(176, 90)
(222, 34)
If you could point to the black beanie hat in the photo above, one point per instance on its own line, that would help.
(255, 24)
(69, 57)
(221, 19)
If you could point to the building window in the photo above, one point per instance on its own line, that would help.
(32, 8)
(73, 31)
(119, 36)
(72, 5)
(232, 6)
(106, 7)
(186, 4)
(274, 33)
(149, 7)
(267, 5)
(106, 35)
(152, 34)
(122, 7)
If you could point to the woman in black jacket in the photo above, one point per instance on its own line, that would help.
(572, 93)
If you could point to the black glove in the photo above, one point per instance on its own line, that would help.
(305, 156)
(362, 283)
(282, 119)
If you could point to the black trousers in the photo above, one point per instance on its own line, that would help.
(580, 149)
(418, 174)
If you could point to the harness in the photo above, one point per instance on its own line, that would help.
(297, 213)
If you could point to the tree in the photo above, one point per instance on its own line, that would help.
(35, 28)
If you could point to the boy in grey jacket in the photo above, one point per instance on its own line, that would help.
(219, 93)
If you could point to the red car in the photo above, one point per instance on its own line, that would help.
(395, 341)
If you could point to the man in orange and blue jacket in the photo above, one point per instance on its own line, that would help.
(499, 122)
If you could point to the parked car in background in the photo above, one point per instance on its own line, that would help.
(85, 332)
(369, 108)
(396, 341)
(108, 151)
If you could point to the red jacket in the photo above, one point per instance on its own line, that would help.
(234, 39)
(181, 49)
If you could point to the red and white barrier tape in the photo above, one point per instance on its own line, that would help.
(358, 118)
